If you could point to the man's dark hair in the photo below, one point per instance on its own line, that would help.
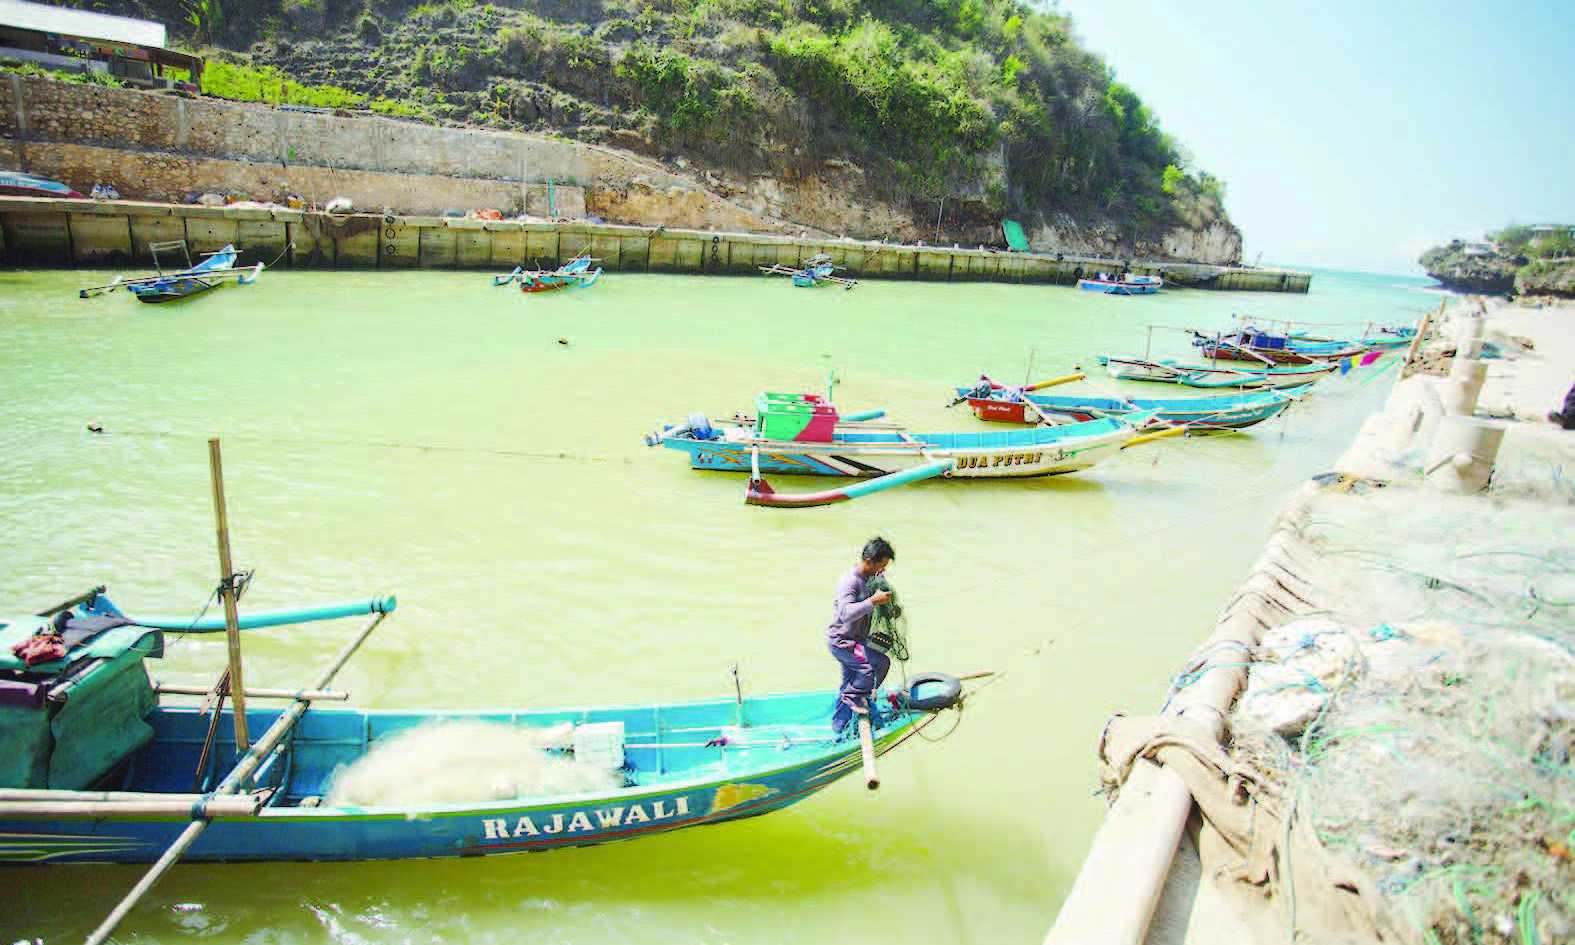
(878, 549)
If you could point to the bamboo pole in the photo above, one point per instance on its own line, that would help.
(214, 807)
(176, 850)
(68, 604)
(56, 794)
(230, 785)
(227, 591)
(311, 695)
(867, 750)
(1421, 332)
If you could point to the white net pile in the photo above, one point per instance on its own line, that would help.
(1426, 722)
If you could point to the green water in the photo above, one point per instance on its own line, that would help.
(426, 434)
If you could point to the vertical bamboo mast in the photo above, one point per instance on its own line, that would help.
(232, 627)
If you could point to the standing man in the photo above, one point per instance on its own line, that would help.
(863, 669)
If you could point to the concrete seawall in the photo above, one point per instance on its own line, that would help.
(43, 232)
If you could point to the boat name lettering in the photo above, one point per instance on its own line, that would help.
(999, 459)
(601, 818)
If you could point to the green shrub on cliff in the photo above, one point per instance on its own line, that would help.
(990, 105)
(244, 83)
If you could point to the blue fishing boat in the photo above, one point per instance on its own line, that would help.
(817, 270)
(209, 274)
(574, 274)
(96, 770)
(1124, 284)
(992, 401)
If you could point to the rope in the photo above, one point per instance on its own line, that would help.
(373, 444)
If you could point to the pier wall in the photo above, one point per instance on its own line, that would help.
(44, 232)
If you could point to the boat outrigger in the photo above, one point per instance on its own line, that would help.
(95, 768)
(182, 283)
(804, 435)
(817, 270)
(574, 274)
(1123, 284)
(1213, 375)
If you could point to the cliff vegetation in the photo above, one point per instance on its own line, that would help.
(963, 110)
(1518, 260)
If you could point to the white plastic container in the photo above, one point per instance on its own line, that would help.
(599, 744)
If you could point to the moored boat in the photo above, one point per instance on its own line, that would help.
(992, 401)
(574, 274)
(827, 447)
(1123, 284)
(181, 283)
(817, 270)
(17, 184)
(1213, 375)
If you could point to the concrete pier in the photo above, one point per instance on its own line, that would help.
(47, 232)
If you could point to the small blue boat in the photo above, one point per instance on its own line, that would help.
(1125, 284)
(817, 270)
(84, 735)
(209, 274)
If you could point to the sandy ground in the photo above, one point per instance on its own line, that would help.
(1526, 384)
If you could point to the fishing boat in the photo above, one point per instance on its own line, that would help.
(574, 274)
(97, 768)
(16, 184)
(215, 270)
(992, 401)
(803, 435)
(1124, 284)
(88, 733)
(817, 270)
(1213, 375)
(1264, 348)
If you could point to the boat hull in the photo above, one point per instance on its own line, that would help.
(347, 834)
(1019, 454)
(1219, 413)
(1118, 288)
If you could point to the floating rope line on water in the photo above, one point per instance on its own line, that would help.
(99, 430)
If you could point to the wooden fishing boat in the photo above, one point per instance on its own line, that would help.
(1263, 348)
(17, 184)
(574, 274)
(817, 270)
(95, 769)
(1213, 375)
(802, 435)
(681, 764)
(181, 282)
(1124, 284)
(992, 401)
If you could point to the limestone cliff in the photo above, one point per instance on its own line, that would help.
(907, 119)
(1467, 267)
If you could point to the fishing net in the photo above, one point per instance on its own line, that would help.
(1424, 722)
(454, 762)
(888, 623)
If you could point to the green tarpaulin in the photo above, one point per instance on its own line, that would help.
(1015, 238)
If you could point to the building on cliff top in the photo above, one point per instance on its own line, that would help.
(81, 41)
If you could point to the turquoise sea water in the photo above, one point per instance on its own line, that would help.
(426, 434)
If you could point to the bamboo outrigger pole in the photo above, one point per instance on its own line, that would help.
(232, 624)
(271, 742)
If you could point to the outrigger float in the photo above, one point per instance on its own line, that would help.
(817, 270)
(804, 435)
(178, 284)
(574, 274)
(990, 400)
(1213, 376)
(95, 769)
